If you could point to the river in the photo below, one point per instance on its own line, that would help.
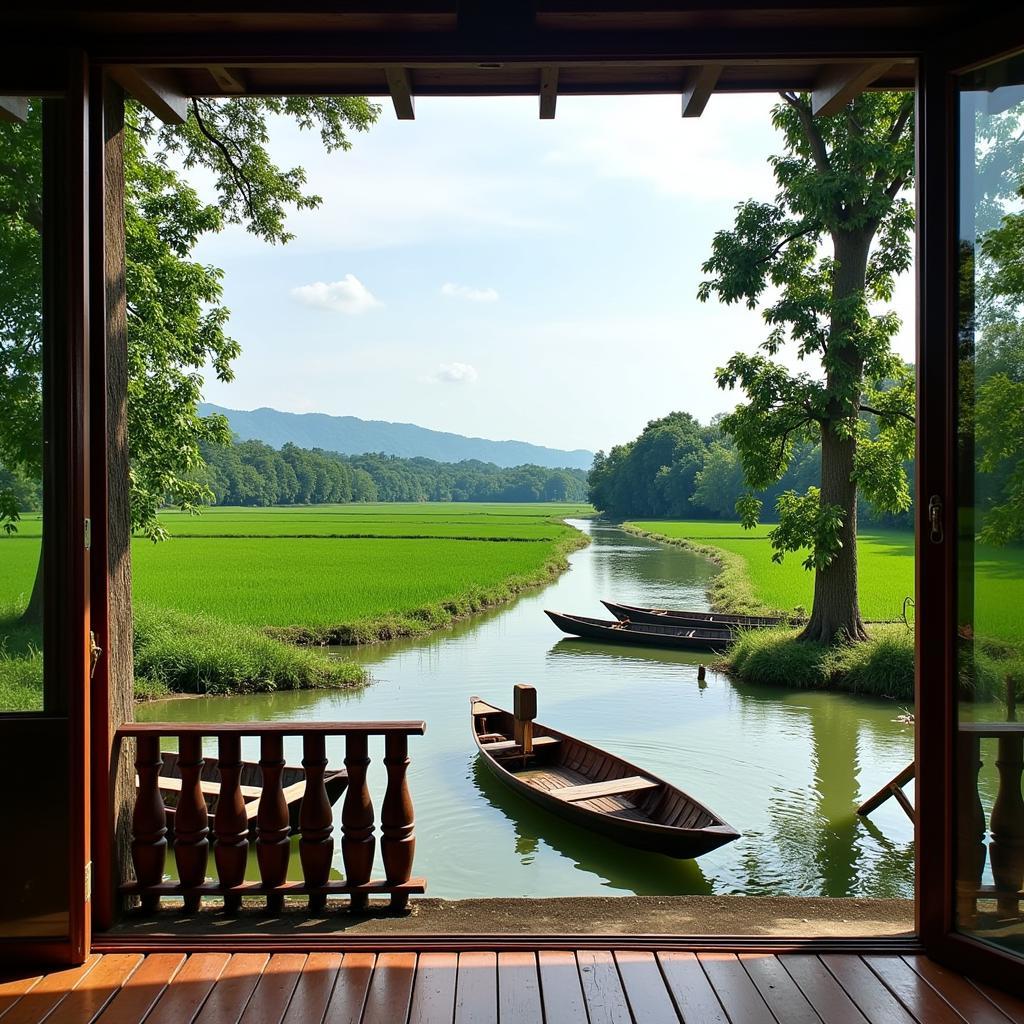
(784, 767)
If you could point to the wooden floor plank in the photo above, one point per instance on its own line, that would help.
(140, 992)
(821, 990)
(646, 993)
(350, 988)
(313, 992)
(433, 995)
(958, 992)
(96, 989)
(519, 988)
(1010, 1005)
(738, 995)
(476, 989)
(227, 1001)
(691, 991)
(778, 989)
(602, 988)
(923, 1002)
(387, 1001)
(44, 996)
(560, 987)
(189, 988)
(273, 993)
(13, 989)
(862, 985)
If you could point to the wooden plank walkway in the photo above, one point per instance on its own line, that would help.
(523, 987)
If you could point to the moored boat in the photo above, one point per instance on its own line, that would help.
(293, 779)
(690, 619)
(594, 788)
(614, 631)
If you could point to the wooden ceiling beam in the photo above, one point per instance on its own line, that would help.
(840, 84)
(700, 84)
(157, 90)
(13, 108)
(400, 87)
(548, 91)
(230, 82)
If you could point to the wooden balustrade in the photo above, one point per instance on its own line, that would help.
(267, 812)
(1005, 850)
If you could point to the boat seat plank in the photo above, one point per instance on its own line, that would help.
(209, 788)
(538, 742)
(632, 784)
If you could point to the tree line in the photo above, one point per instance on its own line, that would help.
(679, 468)
(256, 474)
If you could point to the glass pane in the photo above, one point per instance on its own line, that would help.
(21, 429)
(990, 741)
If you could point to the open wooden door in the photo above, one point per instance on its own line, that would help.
(44, 859)
(971, 507)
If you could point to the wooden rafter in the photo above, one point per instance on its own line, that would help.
(700, 84)
(228, 81)
(400, 87)
(156, 90)
(13, 108)
(548, 91)
(839, 84)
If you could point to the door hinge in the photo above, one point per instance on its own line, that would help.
(88, 534)
(88, 881)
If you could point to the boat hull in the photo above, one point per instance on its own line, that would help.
(688, 619)
(640, 827)
(687, 638)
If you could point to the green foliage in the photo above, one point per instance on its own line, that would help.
(840, 181)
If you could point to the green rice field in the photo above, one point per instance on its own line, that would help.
(886, 563)
(330, 566)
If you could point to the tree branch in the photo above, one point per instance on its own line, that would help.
(236, 172)
(818, 149)
(806, 230)
(888, 415)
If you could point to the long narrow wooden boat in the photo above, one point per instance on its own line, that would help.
(595, 789)
(612, 631)
(689, 619)
(293, 779)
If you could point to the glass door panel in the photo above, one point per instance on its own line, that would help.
(989, 748)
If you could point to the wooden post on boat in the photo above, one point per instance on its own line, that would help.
(524, 711)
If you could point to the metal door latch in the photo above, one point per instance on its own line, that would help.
(94, 653)
(935, 519)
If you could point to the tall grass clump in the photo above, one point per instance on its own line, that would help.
(190, 653)
(21, 662)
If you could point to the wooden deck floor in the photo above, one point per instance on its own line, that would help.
(581, 987)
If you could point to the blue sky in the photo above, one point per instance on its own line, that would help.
(481, 271)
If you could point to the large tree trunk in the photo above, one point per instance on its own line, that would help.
(835, 614)
(33, 614)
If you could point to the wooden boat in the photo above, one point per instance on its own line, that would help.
(293, 779)
(613, 631)
(595, 789)
(692, 620)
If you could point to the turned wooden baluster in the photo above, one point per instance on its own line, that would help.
(1006, 848)
(398, 843)
(191, 822)
(316, 821)
(970, 829)
(272, 846)
(149, 821)
(357, 839)
(230, 824)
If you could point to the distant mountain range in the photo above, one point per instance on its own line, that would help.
(353, 436)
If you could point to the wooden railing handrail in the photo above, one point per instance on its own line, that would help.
(272, 728)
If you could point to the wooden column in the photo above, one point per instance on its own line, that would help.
(357, 843)
(149, 822)
(398, 843)
(1006, 849)
(316, 820)
(970, 829)
(191, 822)
(272, 846)
(230, 824)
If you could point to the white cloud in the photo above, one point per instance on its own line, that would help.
(456, 373)
(464, 291)
(349, 295)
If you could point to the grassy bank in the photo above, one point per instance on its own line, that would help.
(750, 582)
(222, 604)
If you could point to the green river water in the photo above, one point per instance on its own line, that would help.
(784, 767)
